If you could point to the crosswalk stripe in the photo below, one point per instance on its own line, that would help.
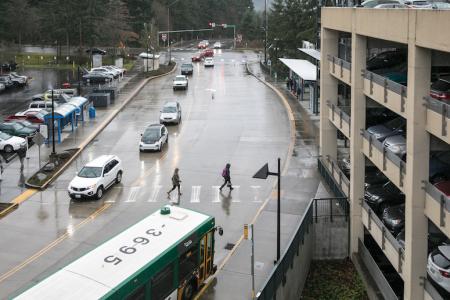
(195, 194)
(155, 193)
(256, 198)
(133, 194)
(236, 197)
(216, 197)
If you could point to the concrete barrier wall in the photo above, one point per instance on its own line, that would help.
(331, 238)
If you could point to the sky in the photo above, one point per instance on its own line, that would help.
(259, 4)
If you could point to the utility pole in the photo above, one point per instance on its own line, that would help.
(265, 31)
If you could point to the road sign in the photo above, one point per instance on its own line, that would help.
(39, 139)
(164, 37)
(269, 62)
(43, 130)
(263, 172)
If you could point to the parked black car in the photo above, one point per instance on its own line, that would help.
(390, 128)
(387, 59)
(378, 115)
(381, 196)
(394, 218)
(374, 177)
(8, 66)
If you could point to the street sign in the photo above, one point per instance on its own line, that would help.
(164, 37)
(269, 62)
(39, 139)
(263, 172)
(43, 130)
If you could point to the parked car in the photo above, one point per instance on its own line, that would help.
(122, 70)
(418, 4)
(19, 81)
(381, 196)
(390, 128)
(47, 105)
(155, 136)
(96, 177)
(391, 5)
(373, 3)
(438, 267)
(394, 218)
(6, 80)
(9, 143)
(377, 115)
(440, 89)
(96, 51)
(36, 117)
(209, 62)
(97, 77)
(444, 187)
(27, 124)
(170, 113)
(387, 59)
(180, 82)
(17, 129)
(439, 167)
(8, 66)
(217, 45)
(113, 73)
(440, 5)
(374, 177)
(187, 69)
(435, 237)
(397, 145)
(197, 57)
(2, 87)
(398, 74)
(118, 71)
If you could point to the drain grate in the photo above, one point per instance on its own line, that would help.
(229, 246)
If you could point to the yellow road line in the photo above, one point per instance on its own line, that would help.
(285, 168)
(24, 196)
(54, 243)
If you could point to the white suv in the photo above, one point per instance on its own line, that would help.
(180, 82)
(95, 177)
(10, 143)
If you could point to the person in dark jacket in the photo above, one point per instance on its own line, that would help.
(22, 152)
(175, 182)
(226, 177)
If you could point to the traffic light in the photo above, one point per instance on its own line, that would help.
(211, 24)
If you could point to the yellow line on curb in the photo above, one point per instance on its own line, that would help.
(285, 168)
(24, 196)
(53, 244)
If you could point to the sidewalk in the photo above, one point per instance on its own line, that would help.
(299, 185)
(13, 183)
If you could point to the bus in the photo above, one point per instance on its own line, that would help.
(167, 255)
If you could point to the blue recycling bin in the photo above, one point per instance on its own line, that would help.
(91, 112)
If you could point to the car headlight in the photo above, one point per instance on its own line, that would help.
(396, 222)
(91, 187)
(395, 149)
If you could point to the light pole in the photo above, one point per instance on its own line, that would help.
(53, 126)
(265, 31)
(262, 174)
(168, 28)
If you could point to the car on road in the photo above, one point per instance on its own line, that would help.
(373, 3)
(203, 44)
(9, 143)
(197, 57)
(438, 267)
(97, 77)
(17, 129)
(155, 136)
(187, 69)
(394, 218)
(6, 80)
(170, 113)
(391, 5)
(209, 62)
(208, 53)
(418, 4)
(217, 45)
(96, 177)
(180, 82)
(390, 128)
(440, 89)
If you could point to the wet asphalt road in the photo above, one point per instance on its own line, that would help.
(228, 116)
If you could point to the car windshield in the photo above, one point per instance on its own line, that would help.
(169, 109)
(17, 126)
(179, 78)
(187, 66)
(151, 134)
(90, 172)
(394, 124)
(4, 136)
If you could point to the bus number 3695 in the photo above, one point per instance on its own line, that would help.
(130, 250)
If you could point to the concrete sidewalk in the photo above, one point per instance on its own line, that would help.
(13, 178)
(299, 184)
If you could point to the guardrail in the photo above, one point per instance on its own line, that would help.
(345, 67)
(278, 274)
(376, 273)
(442, 109)
(334, 177)
(386, 236)
(442, 200)
(330, 208)
(343, 116)
(387, 155)
(339, 61)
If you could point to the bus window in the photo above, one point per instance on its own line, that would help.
(162, 283)
(138, 294)
(188, 262)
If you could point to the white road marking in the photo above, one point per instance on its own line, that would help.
(155, 193)
(236, 197)
(256, 197)
(195, 193)
(133, 194)
(216, 198)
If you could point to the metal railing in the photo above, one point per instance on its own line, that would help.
(344, 116)
(377, 275)
(386, 236)
(441, 199)
(327, 169)
(441, 108)
(331, 208)
(339, 61)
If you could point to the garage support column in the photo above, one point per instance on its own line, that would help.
(358, 121)
(328, 91)
(418, 147)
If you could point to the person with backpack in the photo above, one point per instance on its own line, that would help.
(175, 183)
(226, 178)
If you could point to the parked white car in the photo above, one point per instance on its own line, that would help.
(180, 82)
(209, 62)
(96, 177)
(438, 267)
(9, 143)
(103, 70)
(154, 137)
(170, 113)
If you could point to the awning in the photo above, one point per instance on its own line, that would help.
(311, 52)
(303, 68)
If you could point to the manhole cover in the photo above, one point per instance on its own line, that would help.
(229, 246)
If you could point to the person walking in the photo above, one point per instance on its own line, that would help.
(1, 168)
(175, 183)
(22, 152)
(226, 177)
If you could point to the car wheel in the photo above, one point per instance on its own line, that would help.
(8, 149)
(119, 177)
(189, 291)
(99, 193)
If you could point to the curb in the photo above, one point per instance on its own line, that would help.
(102, 126)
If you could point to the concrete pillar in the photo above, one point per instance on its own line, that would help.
(328, 92)
(358, 121)
(418, 147)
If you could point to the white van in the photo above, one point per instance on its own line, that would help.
(47, 105)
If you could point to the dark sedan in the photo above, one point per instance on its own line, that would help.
(17, 129)
(394, 218)
(381, 196)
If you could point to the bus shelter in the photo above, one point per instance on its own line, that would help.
(63, 115)
(81, 104)
(304, 75)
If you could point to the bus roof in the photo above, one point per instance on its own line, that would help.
(91, 277)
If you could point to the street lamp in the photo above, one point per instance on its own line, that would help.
(53, 126)
(168, 27)
(265, 31)
(262, 174)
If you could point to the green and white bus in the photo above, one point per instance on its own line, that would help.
(167, 255)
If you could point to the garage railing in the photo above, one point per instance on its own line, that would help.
(344, 116)
(440, 198)
(334, 177)
(441, 108)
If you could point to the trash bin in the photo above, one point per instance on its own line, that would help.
(91, 112)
